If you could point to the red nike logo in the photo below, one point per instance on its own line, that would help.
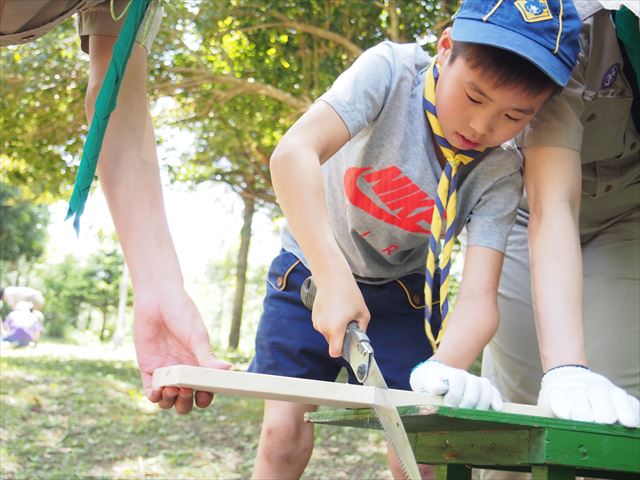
(408, 207)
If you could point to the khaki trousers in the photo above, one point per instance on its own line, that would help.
(611, 268)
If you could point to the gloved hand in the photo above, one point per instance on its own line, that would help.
(577, 393)
(460, 388)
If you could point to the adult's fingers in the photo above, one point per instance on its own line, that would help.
(168, 396)
(184, 401)
(627, 408)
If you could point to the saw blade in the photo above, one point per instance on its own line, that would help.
(391, 423)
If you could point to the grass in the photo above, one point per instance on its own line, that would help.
(73, 412)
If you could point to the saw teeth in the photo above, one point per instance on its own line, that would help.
(388, 437)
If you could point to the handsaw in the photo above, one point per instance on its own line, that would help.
(358, 352)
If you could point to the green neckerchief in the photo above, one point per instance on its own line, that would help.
(105, 103)
(628, 31)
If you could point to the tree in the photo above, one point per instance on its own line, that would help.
(241, 272)
(102, 274)
(23, 232)
(64, 288)
(42, 124)
(241, 73)
(77, 287)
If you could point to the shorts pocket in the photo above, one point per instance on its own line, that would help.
(280, 269)
(413, 288)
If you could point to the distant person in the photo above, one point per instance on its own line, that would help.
(13, 295)
(367, 176)
(168, 328)
(23, 326)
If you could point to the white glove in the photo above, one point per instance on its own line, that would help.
(460, 388)
(576, 393)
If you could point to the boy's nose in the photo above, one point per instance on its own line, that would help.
(480, 126)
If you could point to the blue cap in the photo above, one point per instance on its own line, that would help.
(545, 32)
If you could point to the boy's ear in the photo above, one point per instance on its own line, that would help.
(445, 44)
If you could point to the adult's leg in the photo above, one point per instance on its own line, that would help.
(611, 265)
(286, 441)
(512, 359)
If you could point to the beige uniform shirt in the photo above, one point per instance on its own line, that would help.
(22, 21)
(593, 115)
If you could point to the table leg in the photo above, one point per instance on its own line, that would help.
(552, 472)
(453, 472)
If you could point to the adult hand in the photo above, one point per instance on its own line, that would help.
(168, 330)
(577, 393)
(460, 388)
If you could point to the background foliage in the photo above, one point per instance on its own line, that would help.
(229, 77)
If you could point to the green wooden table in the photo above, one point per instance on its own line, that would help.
(457, 439)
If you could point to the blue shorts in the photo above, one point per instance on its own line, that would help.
(288, 345)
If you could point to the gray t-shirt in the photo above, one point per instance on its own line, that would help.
(380, 186)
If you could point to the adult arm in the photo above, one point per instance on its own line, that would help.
(168, 328)
(553, 183)
(298, 183)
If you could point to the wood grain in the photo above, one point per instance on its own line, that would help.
(299, 390)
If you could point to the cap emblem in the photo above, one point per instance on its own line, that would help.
(534, 10)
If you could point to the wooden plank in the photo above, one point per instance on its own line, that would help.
(272, 387)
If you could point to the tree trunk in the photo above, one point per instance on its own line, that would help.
(241, 272)
(103, 330)
(118, 334)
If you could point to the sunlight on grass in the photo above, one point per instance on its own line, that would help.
(74, 412)
(9, 462)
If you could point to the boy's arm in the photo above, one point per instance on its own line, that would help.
(553, 182)
(471, 326)
(298, 183)
(475, 318)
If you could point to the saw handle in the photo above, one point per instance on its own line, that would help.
(353, 334)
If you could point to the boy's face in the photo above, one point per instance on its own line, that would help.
(473, 112)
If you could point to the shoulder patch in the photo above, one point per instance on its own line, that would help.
(534, 10)
(610, 76)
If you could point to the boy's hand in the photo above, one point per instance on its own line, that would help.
(338, 301)
(577, 393)
(460, 388)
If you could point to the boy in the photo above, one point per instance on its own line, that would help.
(366, 240)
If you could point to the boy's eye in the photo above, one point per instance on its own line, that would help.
(513, 119)
(471, 99)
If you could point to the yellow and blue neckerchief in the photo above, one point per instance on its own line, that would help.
(444, 214)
